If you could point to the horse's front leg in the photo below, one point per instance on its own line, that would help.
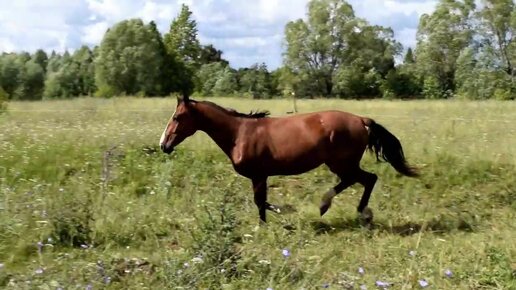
(260, 196)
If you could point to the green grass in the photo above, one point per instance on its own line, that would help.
(84, 178)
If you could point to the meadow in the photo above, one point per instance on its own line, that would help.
(87, 201)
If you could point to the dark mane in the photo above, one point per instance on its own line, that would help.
(232, 112)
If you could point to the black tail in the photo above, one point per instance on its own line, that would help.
(386, 145)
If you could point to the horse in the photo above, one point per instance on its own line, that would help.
(260, 146)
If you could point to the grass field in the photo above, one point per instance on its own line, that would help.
(86, 200)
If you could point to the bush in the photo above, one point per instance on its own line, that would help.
(4, 97)
(105, 91)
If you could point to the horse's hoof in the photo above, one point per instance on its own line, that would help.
(275, 209)
(324, 208)
(366, 215)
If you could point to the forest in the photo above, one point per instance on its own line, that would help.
(465, 49)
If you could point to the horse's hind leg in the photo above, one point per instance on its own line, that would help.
(347, 178)
(368, 180)
(345, 182)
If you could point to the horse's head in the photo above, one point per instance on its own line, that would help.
(179, 127)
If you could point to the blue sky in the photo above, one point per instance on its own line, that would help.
(247, 31)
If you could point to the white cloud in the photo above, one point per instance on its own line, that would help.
(7, 45)
(246, 31)
(92, 34)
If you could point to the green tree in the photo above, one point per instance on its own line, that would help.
(11, 73)
(21, 77)
(130, 60)
(64, 83)
(333, 53)
(441, 36)
(33, 81)
(409, 56)
(83, 58)
(226, 84)
(209, 54)
(255, 81)
(499, 31)
(208, 76)
(181, 41)
(54, 62)
(41, 58)
(72, 76)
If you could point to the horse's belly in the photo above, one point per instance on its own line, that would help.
(270, 166)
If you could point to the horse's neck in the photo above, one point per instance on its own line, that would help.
(221, 127)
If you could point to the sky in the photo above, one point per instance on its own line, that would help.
(247, 31)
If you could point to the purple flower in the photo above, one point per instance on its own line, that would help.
(448, 273)
(382, 284)
(326, 285)
(423, 283)
(363, 287)
(89, 287)
(285, 253)
(361, 271)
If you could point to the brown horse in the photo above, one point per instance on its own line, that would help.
(260, 146)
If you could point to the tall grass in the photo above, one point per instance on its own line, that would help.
(87, 199)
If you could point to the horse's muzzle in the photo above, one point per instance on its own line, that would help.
(166, 149)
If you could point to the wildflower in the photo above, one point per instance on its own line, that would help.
(89, 287)
(363, 287)
(269, 288)
(382, 284)
(84, 246)
(107, 280)
(2, 266)
(326, 285)
(448, 273)
(361, 271)
(285, 253)
(39, 271)
(412, 253)
(197, 259)
(423, 283)
(40, 246)
(186, 265)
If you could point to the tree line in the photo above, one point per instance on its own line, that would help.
(463, 50)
